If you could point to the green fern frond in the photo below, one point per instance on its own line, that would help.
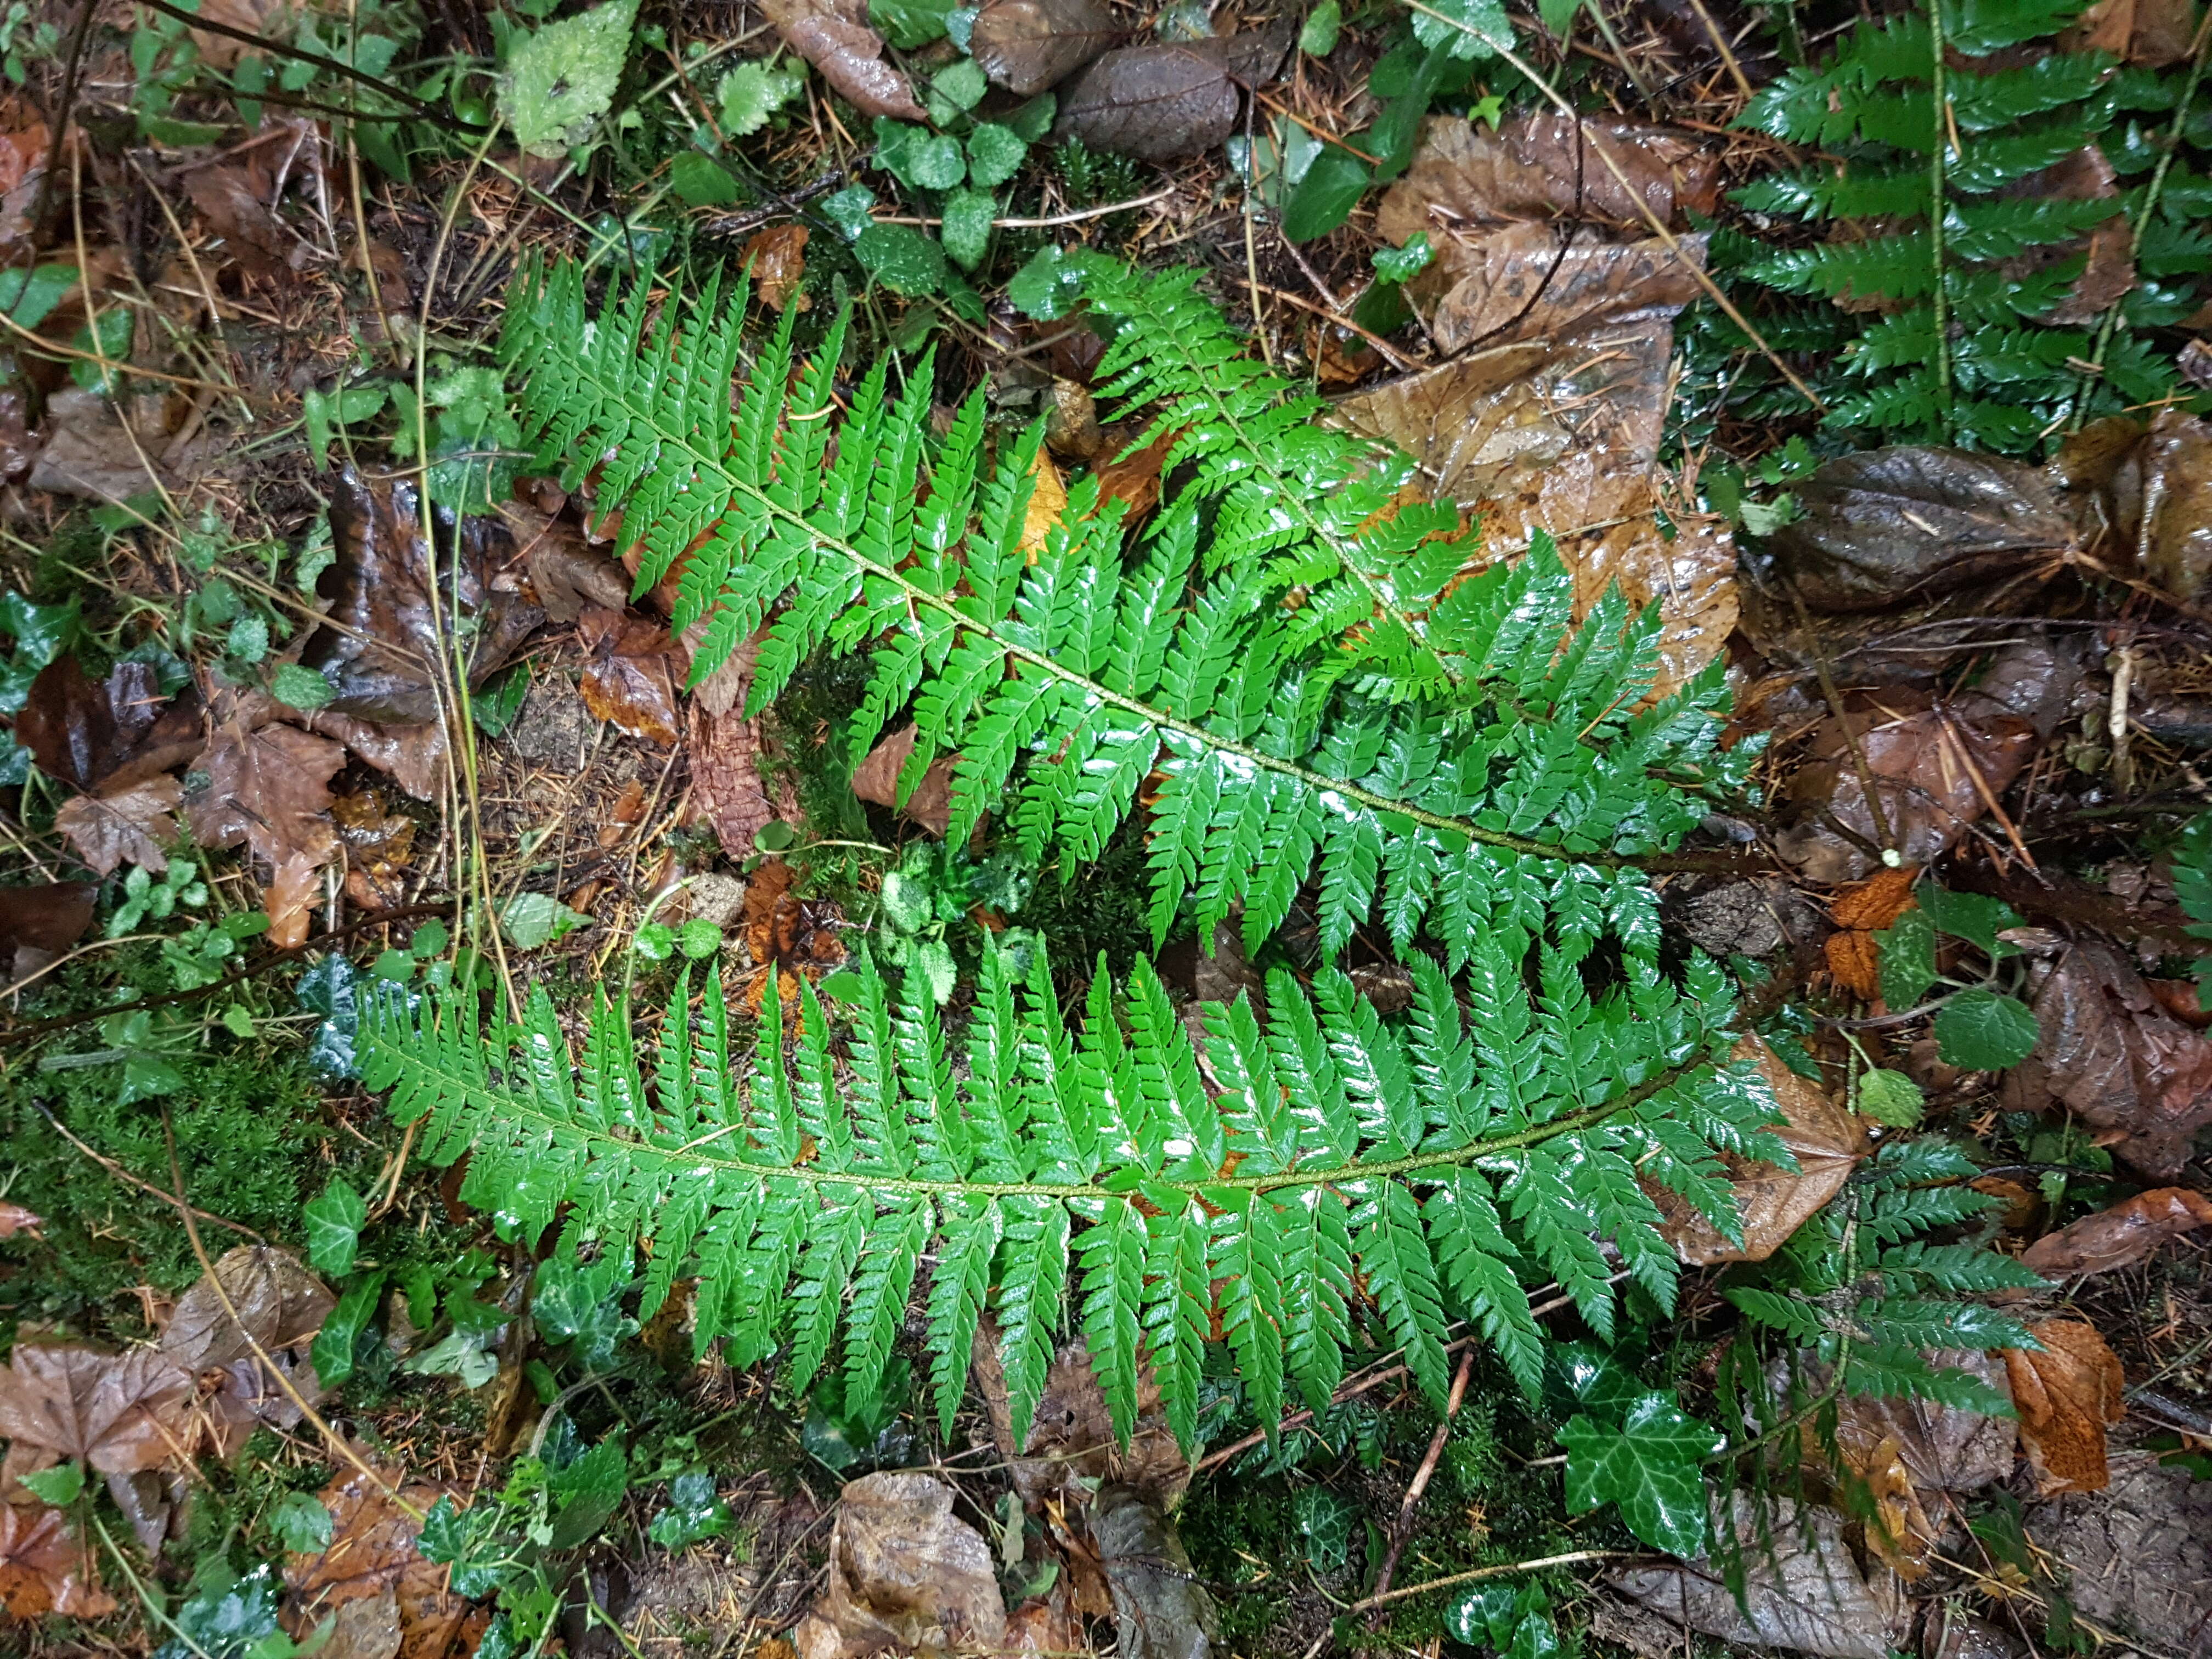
(1419, 1169)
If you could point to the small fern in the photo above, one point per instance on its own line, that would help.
(1962, 338)
(1290, 653)
(1347, 1171)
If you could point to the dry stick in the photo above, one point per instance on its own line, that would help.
(343, 1446)
(1673, 244)
(1539, 1563)
(124, 1175)
(1397, 359)
(1403, 1531)
(1075, 218)
(63, 108)
(1720, 42)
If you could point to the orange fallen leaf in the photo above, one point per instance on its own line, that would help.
(1047, 503)
(289, 900)
(1874, 903)
(2067, 1392)
(1853, 962)
(777, 258)
(46, 1568)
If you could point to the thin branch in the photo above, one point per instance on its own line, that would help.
(1536, 1565)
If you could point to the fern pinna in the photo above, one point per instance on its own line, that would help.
(1289, 652)
(1960, 252)
(1340, 1168)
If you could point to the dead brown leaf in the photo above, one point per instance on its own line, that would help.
(222, 52)
(726, 778)
(373, 1558)
(630, 677)
(2111, 1055)
(1132, 477)
(38, 923)
(1026, 45)
(279, 1304)
(106, 735)
(412, 756)
(46, 1568)
(14, 1218)
(114, 1413)
(904, 1572)
(1828, 1142)
(2121, 1235)
(288, 901)
(1169, 100)
(876, 778)
(1877, 901)
(834, 36)
(1943, 1447)
(128, 827)
(2107, 250)
(2150, 33)
(1048, 503)
(269, 787)
(777, 258)
(1547, 167)
(1854, 961)
(2067, 1392)
(89, 453)
(229, 198)
(567, 574)
(1072, 1445)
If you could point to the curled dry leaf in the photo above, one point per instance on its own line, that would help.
(777, 259)
(1828, 1142)
(631, 677)
(568, 576)
(905, 1573)
(1169, 100)
(2119, 1236)
(2109, 1051)
(875, 779)
(2067, 1392)
(14, 1218)
(1026, 45)
(116, 1413)
(372, 1556)
(1545, 166)
(269, 787)
(44, 1567)
(834, 36)
(288, 901)
(129, 827)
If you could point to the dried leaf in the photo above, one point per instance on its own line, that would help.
(1547, 167)
(229, 198)
(904, 1572)
(1073, 1446)
(777, 258)
(1874, 903)
(113, 1413)
(128, 827)
(1133, 475)
(106, 735)
(413, 756)
(1047, 501)
(46, 1568)
(2107, 251)
(2150, 33)
(288, 901)
(1537, 282)
(2109, 1053)
(279, 1304)
(726, 778)
(268, 787)
(1943, 1447)
(1171, 100)
(834, 36)
(1026, 45)
(37, 924)
(373, 1556)
(2066, 1394)
(631, 676)
(875, 779)
(1803, 1592)
(2119, 1236)
(568, 576)
(1854, 961)
(89, 453)
(1828, 1143)
(14, 1218)
(1161, 1611)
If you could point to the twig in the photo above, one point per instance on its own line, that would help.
(1403, 1530)
(125, 1175)
(1041, 224)
(1536, 1565)
(1403, 364)
(35, 975)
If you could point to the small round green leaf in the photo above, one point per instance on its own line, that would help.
(901, 259)
(774, 836)
(1323, 23)
(699, 938)
(967, 227)
(1891, 1098)
(995, 154)
(1982, 1030)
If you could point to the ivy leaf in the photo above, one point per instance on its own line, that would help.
(334, 1344)
(848, 210)
(1983, 1030)
(751, 92)
(1906, 953)
(301, 1523)
(1045, 286)
(1651, 1466)
(1324, 198)
(532, 920)
(967, 227)
(695, 1511)
(1890, 1097)
(901, 259)
(333, 1223)
(1323, 23)
(562, 78)
(586, 1492)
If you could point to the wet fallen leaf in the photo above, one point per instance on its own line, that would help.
(798, 935)
(2149, 33)
(875, 779)
(1854, 961)
(1899, 1530)
(46, 1568)
(2153, 500)
(904, 1572)
(38, 923)
(1828, 1142)
(116, 1413)
(1072, 1447)
(269, 787)
(2107, 250)
(1026, 45)
(1162, 102)
(1944, 1448)
(1874, 903)
(567, 575)
(1047, 501)
(2121, 1235)
(289, 900)
(1547, 167)
(1534, 282)
(386, 630)
(631, 677)
(1071, 420)
(412, 756)
(254, 16)
(2067, 1392)
(229, 200)
(14, 1218)
(373, 1558)
(128, 827)
(1132, 477)
(777, 258)
(2113, 1056)
(1803, 1592)
(105, 734)
(1161, 1611)
(279, 1302)
(834, 36)
(1885, 526)
(88, 452)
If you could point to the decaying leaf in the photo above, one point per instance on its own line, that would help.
(798, 935)
(2119, 1236)
(1026, 45)
(269, 787)
(129, 827)
(106, 735)
(777, 258)
(1541, 166)
(631, 677)
(2109, 1051)
(1805, 1592)
(1072, 1447)
(1828, 1142)
(116, 1413)
(725, 777)
(230, 202)
(568, 575)
(2107, 249)
(1047, 501)
(1171, 98)
(89, 453)
(2151, 508)
(373, 1556)
(14, 1218)
(279, 1303)
(44, 1567)
(904, 1573)
(1874, 903)
(834, 36)
(2067, 1392)
(875, 779)
(38, 923)
(1944, 1448)
(1132, 477)
(1161, 1611)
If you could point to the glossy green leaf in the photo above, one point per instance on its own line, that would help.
(1906, 954)
(1652, 1465)
(1983, 1030)
(333, 1221)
